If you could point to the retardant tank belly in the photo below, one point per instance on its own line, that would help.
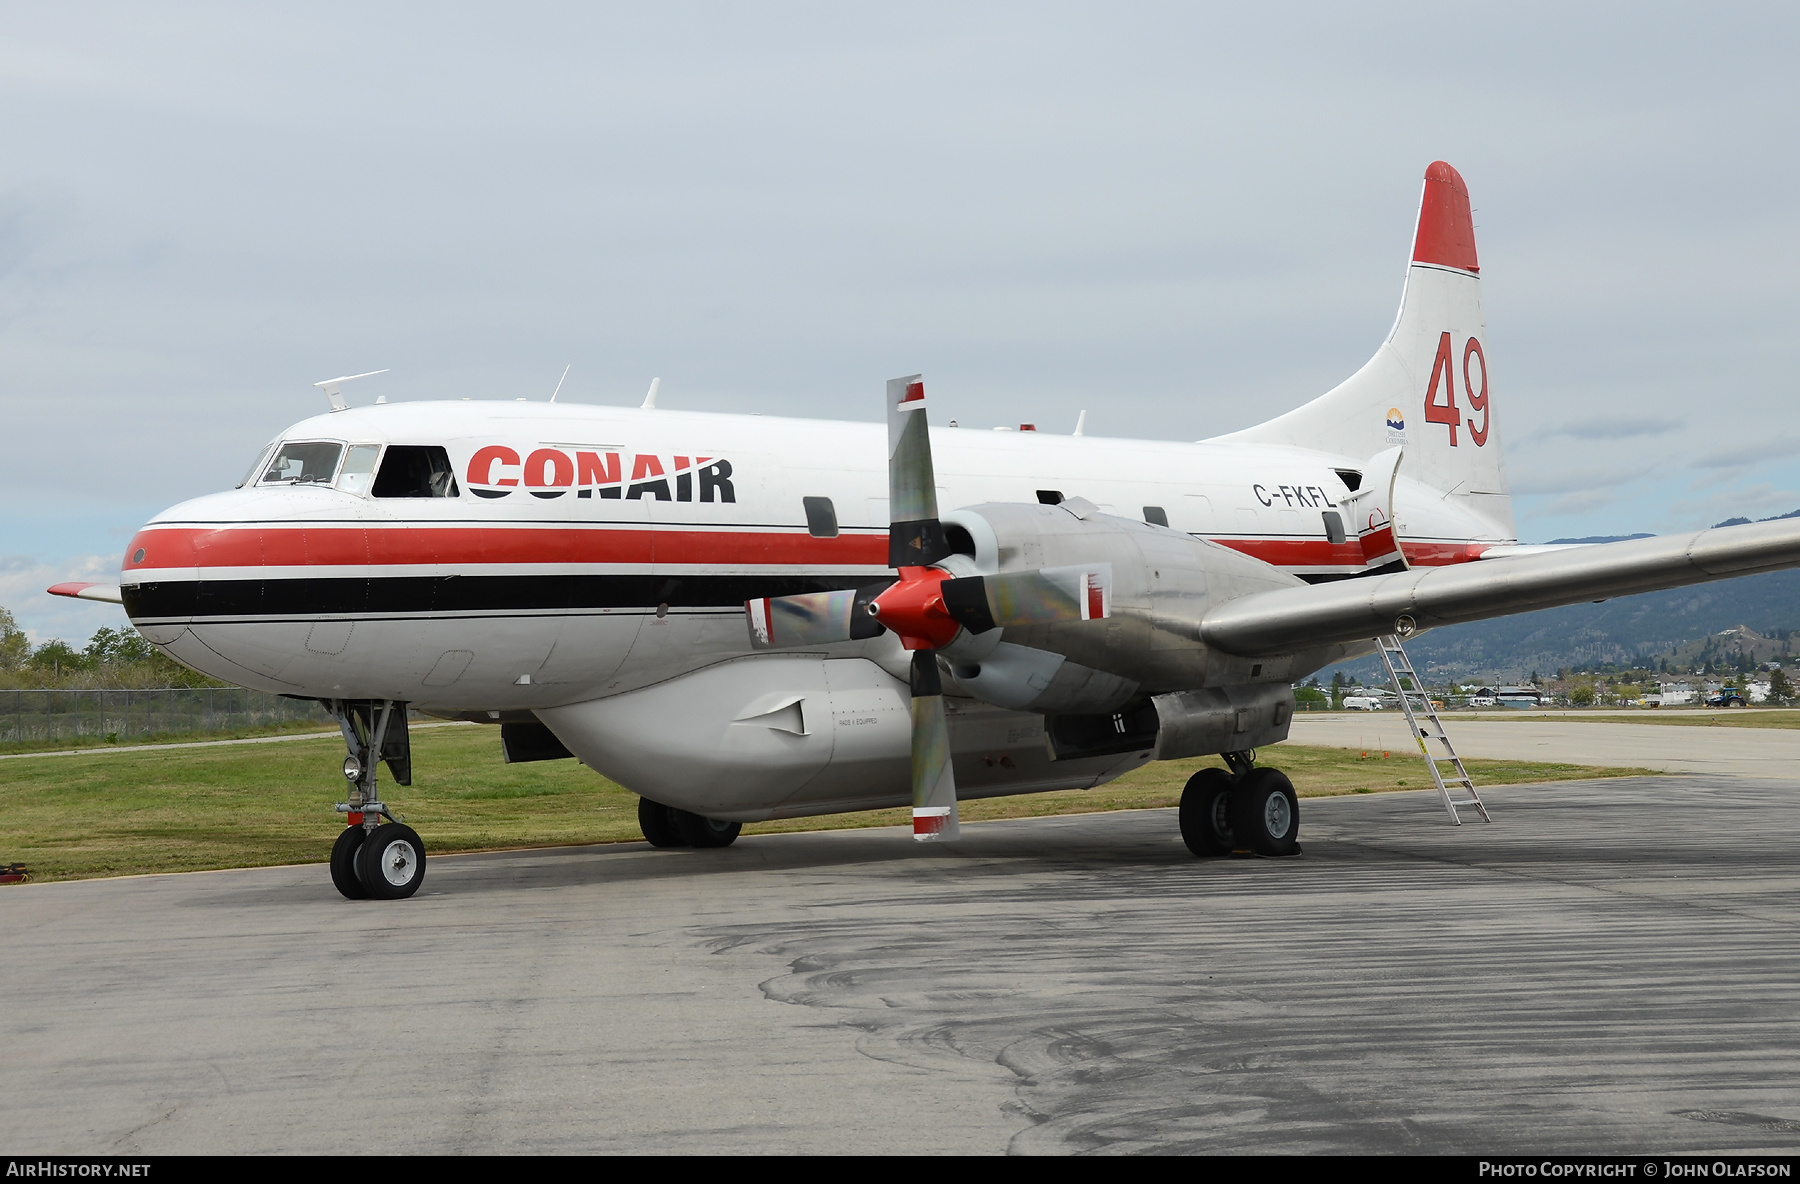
(787, 735)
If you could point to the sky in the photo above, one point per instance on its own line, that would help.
(1182, 218)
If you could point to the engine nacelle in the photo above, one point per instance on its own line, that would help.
(785, 735)
(1162, 584)
(1179, 724)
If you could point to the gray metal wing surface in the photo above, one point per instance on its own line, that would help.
(1288, 619)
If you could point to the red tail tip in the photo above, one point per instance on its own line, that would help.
(1446, 233)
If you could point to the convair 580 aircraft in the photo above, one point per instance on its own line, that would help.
(744, 618)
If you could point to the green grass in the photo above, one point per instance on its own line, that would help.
(254, 805)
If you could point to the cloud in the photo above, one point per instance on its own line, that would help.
(1608, 429)
(1757, 501)
(1177, 216)
(1575, 478)
(1575, 503)
(1748, 451)
(43, 616)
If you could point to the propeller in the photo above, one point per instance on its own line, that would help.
(927, 607)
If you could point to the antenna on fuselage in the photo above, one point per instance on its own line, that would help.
(559, 383)
(330, 387)
(1081, 424)
(649, 403)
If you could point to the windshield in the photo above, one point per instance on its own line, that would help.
(256, 466)
(299, 463)
(359, 467)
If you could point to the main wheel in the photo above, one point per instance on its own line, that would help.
(706, 832)
(1206, 813)
(657, 821)
(343, 863)
(1265, 813)
(391, 864)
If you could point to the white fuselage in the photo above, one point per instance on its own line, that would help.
(541, 594)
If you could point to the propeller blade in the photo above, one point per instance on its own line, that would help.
(1041, 597)
(811, 618)
(933, 781)
(915, 536)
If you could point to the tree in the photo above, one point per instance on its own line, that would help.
(118, 645)
(1780, 689)
(57, 656)
(15, 647)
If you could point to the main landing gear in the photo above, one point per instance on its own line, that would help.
(373, 859)
(665, 826)
(1249, 810)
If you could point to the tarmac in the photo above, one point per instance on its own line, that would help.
(1610, 966)
(1568, 739)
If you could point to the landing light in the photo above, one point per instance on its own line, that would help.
(352, 770)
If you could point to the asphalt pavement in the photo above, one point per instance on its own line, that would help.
(1610, 966)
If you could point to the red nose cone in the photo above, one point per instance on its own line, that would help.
(1446, 233)
(914, 609)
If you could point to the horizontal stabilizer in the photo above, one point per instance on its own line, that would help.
(104, 593)
(1291, 619)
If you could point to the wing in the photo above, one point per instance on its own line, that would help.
(1356, 610)
(105, 593)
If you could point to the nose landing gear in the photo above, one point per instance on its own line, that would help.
(1250, 810)
(373, 859)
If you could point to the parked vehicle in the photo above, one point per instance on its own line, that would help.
(1726, 699)
(1361, 703)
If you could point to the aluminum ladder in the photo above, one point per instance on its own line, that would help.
(1393, 656)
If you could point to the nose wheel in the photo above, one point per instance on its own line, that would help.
(374, 859)
(343, 863)
(390, 864)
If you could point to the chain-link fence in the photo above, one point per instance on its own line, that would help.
(36, 716)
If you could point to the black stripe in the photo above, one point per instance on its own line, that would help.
(415, 594)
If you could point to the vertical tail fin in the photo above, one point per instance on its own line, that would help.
(1428, 386)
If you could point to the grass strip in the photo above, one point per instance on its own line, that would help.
(87, 741)
(196, 809)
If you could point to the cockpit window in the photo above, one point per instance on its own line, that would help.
(297, 464)
(256, 466)
(359, 468)
(415, 470)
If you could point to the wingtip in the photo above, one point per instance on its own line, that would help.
(1446, 230)
(85, 590)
